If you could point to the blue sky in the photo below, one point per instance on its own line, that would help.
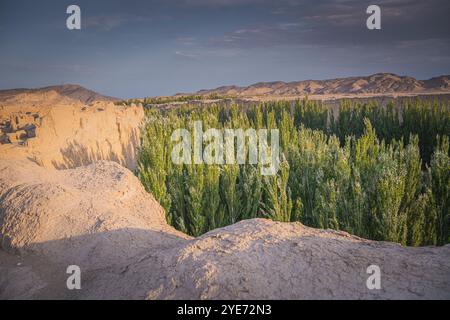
(144, 48)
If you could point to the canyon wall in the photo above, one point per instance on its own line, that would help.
(69, 135)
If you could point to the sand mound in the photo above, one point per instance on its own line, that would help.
(53, 213)
(261, 259)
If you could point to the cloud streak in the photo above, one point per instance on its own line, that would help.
(341, 23)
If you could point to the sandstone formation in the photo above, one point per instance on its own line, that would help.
(66, 131)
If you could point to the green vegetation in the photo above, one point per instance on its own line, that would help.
(381, 173)
(171, 99)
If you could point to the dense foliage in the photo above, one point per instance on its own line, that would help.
(381, 173)
(149, 101)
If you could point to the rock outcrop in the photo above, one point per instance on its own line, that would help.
(63, 132)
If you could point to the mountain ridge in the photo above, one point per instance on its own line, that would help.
(379, 83)
(65, 91)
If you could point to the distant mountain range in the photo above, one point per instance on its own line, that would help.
(377, 84)
(380, 83)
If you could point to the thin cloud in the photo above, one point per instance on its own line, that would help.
(110, 22)
(342, 23)
(186, 55)
(186, 41)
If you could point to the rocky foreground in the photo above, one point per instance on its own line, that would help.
(100, 218)
(59, 209)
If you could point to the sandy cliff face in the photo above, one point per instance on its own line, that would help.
(62, 132)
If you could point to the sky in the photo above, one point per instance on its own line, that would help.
(138, 48)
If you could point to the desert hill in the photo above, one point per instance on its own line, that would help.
(52, 94)
(380, 83)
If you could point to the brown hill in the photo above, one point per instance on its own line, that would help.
(53, 94)
(380, 83)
